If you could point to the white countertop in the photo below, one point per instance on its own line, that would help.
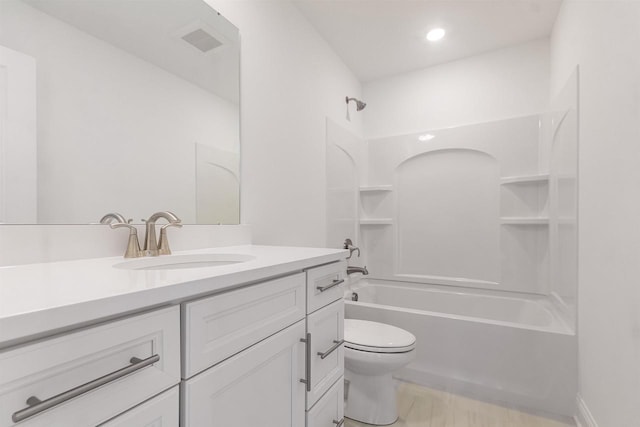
(48, 297)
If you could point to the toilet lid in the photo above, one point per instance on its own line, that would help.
(377, 337)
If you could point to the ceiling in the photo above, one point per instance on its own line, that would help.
(380, 38)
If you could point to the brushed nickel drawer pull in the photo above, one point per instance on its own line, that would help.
(339, 423)
(35, 405)
(333, 348)
(331, 285)
(307, 361)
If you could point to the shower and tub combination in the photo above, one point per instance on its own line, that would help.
(517, 350)
(469, 236)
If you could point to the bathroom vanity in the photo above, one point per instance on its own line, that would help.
(243, 336)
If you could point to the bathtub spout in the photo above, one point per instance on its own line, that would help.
(352, 270)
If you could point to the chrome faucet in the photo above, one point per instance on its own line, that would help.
(111, 217)
(151, 247)
(352, 270)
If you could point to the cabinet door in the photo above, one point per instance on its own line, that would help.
(326, 327)
(329, 411)
(161, 411)
(257, 387)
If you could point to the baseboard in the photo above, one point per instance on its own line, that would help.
(584, 418)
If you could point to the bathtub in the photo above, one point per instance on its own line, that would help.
(514, 349)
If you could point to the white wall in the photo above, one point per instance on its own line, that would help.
(101, 113)
(290, 82)
(496, 85)
(603, 38)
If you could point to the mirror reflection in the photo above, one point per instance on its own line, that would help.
(118, 106)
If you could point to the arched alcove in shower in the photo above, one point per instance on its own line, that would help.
(447, 217)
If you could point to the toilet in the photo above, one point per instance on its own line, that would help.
(372, 353)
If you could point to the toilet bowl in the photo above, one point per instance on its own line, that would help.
(372, 352)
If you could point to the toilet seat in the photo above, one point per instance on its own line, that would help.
(377, 337)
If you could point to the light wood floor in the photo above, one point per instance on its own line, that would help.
(424, 407)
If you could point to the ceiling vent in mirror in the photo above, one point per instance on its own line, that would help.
(201, 40)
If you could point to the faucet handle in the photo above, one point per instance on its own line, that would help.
(163, 246)
(348, 244)
(133, 245)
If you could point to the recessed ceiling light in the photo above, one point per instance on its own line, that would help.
(426, 137)
(435, 34)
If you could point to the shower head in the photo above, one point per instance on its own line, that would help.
(359, 104)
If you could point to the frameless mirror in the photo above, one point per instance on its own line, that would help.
(118, 106)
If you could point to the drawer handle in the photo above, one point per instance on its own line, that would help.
(339, 423)
(331, 285)
(333, 348)
(35, 405)
(307, 361)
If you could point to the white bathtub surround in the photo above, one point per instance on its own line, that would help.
(373, 352)
(456, 210)
(506, 348)
(47, 297)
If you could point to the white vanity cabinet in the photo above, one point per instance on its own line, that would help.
(265, 352)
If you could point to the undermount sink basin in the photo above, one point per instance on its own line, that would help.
(178, 262)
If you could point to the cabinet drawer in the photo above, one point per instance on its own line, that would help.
(222, 325)
(257, 387)
(95, 369)
(161, 411)
(325, 284)
(329, 411)
(326, 327)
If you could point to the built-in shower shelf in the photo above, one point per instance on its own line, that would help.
(525, 179)
(515, 220)
(376, 221)
(375, 188)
